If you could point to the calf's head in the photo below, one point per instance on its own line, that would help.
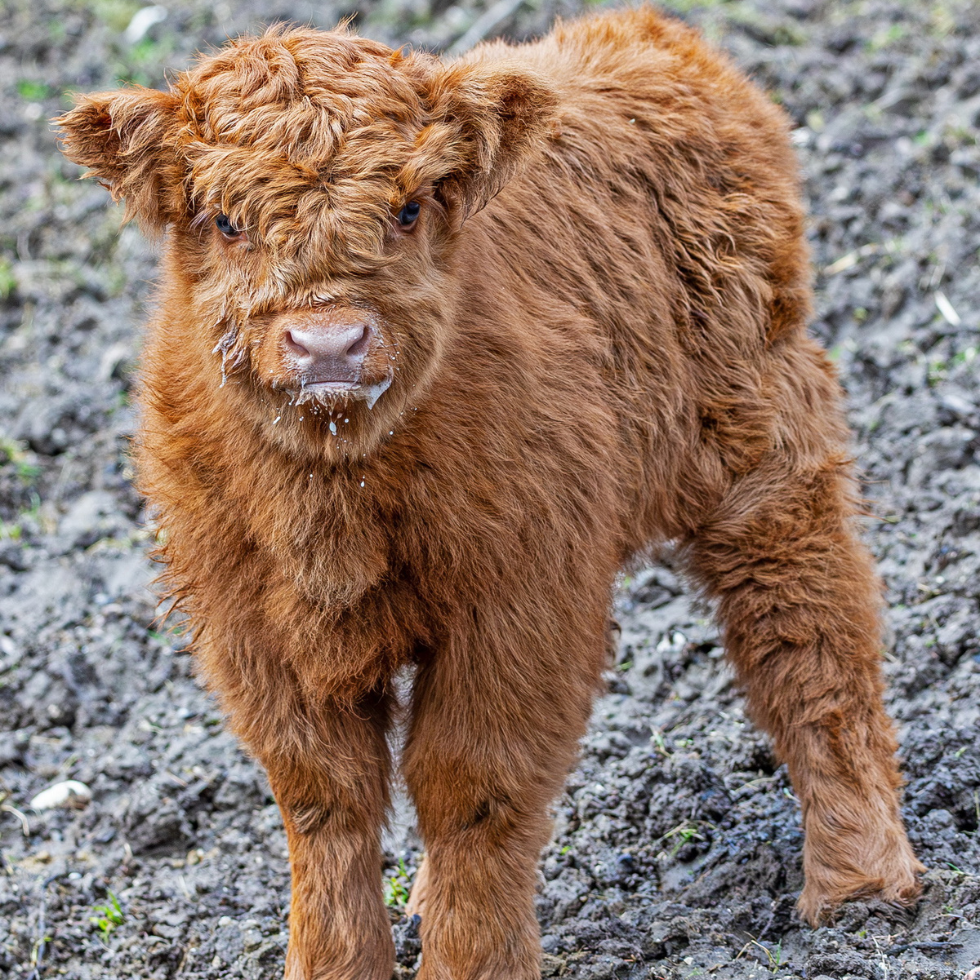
(312, 187)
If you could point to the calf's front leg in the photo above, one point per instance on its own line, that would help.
(495, 726)
(328, 765)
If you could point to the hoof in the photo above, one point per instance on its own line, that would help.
(893, 881)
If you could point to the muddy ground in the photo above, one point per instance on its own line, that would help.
(677, 844)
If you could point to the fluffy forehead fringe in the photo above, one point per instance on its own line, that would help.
(298, 91)
(302, 128)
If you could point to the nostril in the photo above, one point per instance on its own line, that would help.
(322, 349)
(358, 347)
(294, 345)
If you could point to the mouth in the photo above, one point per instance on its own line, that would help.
(330, 393)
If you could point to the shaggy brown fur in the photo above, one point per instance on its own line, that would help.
(590, 339)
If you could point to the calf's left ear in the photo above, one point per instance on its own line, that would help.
(127, 139)
(502, 115)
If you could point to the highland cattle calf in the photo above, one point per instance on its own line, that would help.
(441, 346)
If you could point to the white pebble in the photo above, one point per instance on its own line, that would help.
(71, 794)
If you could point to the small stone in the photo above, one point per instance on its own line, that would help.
(70, 794)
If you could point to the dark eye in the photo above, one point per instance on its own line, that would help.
(409, 214)
(224, 225)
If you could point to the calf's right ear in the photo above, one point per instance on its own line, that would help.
(128, 140)
(498, 116)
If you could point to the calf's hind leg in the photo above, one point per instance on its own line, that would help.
(798, 600)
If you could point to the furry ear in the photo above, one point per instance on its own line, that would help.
(500, 116)
(127, 139)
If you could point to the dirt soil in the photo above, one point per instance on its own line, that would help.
(677, 845)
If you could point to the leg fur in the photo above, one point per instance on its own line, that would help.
(328, 764)
(798, 600)
(488, 750)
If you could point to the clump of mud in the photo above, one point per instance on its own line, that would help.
(677, 844)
